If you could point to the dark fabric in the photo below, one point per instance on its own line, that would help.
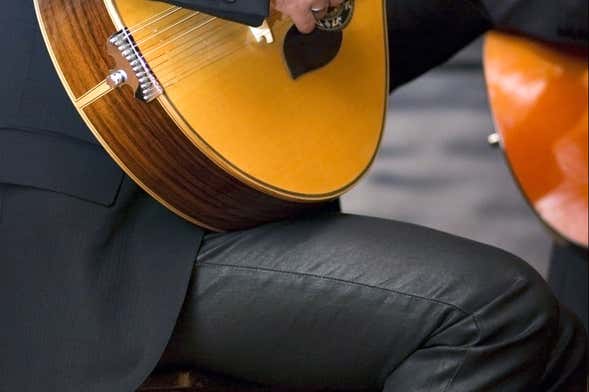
(416, 41)
(31, 96)
(568, 276)
(89, 294)
(345, 301)
(93, 272)
(425, 34)
(61, 164)
(562, 21)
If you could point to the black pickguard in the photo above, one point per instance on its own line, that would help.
(306, 52)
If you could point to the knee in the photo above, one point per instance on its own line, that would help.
(519, 320)
(573, 332)
(518, 301)
(533, 297)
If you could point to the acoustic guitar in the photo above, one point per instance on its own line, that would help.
(539, 98)
(228, 126)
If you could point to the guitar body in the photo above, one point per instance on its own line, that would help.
(539, 96)
(233, 140)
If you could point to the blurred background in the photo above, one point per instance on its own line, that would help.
(436, 168)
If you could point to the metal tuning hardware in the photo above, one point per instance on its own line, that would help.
(494, 139)
(131, 68)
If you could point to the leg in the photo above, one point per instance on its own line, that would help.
(354, 302)
(568, 275)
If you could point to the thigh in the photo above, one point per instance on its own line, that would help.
(331, 300)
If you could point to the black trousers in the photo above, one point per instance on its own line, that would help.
(344, 301)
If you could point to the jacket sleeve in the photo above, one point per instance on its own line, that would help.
(558, 21)
(250, 12)
(425, 33)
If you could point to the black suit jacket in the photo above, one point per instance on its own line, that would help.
(92, 270)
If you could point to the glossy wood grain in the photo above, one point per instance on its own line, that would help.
(78, 45)
(539, 97)
(307, 138)
(234, 142)
(143, 138)
(151, 146)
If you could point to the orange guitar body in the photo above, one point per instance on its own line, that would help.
(538, 94)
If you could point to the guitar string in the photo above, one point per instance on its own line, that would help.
(205, 42)
(179, 36)
(201, 44)
(175, 53)
(187, 68)
(162, 15)
(184, 68)
(179, 71)
(190, 44)
(167, 28)
(179, 76)
(178, 33)
(221, 42)
(153, 19)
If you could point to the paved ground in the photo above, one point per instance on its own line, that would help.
(435, 167)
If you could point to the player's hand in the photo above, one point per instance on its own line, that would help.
(304, 12)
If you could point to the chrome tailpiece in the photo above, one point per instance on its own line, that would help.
(131, 68)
